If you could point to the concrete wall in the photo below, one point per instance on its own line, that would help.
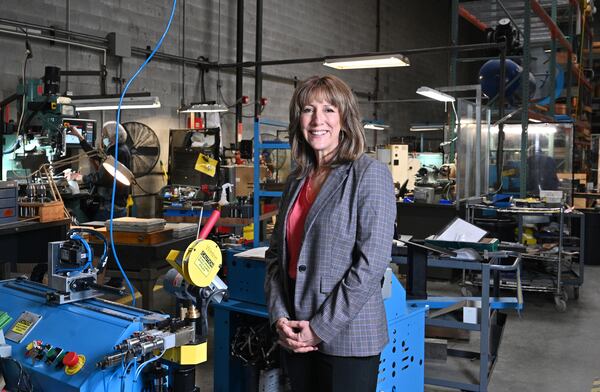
(292, 29)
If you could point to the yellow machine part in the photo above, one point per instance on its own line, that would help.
(172, 260)
(201, 262)
(191, 354)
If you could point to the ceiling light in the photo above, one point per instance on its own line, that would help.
(110, 103)
(435, 94)
(376, 127)
(203, 108)
(391, 60)
(426, 127)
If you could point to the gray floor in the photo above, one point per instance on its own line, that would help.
(549, 351)
(542, 351)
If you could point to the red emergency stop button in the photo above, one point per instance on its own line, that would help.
(71, 359)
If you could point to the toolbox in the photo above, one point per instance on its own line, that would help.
(8, 201)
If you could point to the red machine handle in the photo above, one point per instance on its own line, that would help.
(210, 223)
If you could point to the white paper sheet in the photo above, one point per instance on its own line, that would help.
(254, 253)
(461, 230)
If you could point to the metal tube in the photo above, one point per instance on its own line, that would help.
(453, 65)
(460, 48)
(525, 98)
(51, 29)
(258, 57)
(54, 39)
(500, 147)
(239, 77)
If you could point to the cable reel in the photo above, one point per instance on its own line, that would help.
(200, 262)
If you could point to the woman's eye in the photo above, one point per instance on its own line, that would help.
(307, 110)
(330, 110)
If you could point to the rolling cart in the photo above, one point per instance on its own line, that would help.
(552, 260)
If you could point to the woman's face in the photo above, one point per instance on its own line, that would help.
(321, 125)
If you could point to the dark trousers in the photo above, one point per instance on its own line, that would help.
(318, 372)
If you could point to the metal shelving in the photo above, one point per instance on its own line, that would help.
(258, 191)
(539, 23)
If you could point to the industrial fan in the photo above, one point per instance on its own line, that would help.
(144, 146)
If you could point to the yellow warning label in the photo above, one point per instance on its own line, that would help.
(206, 165)
(204, 263)
(21, 327)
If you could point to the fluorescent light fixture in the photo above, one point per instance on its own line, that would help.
(95, 104)
(203, 108)
(435, 94)
(426, 127)
(124, 175)
(376, 127)
(390, 60)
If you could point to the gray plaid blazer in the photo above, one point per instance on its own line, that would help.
(346, 248)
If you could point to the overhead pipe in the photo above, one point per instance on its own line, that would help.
(305, 60)
(377, 73)
(144, 52)
(258, 57)
(68, 51)
(240, 64)
(69, 42)
(239, 75)
(28, 25)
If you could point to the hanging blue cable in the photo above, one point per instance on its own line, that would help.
(114, 187)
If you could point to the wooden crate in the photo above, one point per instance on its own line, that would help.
(130, 238)
(46, 212)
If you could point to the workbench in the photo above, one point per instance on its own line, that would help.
(27, 242)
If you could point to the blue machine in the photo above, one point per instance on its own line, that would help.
(62, 338)
(401, 363)
(88, 328)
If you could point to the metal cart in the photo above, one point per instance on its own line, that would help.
(491, 322)
(544, 270)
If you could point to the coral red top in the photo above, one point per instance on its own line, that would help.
(295, 228)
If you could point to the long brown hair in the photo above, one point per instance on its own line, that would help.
(352, 136)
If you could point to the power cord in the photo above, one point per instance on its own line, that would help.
(114, 188)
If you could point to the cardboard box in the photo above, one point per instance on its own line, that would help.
(244, 179)
(579, 202)
(581, 177)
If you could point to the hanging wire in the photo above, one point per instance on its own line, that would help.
(114, 188)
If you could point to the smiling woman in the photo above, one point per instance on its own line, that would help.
(320, 123)
(330, 246)
(324, 121)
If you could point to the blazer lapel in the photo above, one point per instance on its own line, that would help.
(331, 185)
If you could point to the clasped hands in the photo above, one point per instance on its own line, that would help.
(296, 336)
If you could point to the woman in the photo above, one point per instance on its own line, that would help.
(331, 245)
